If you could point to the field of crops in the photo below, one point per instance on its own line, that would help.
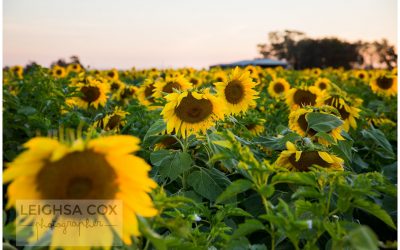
(244, 158)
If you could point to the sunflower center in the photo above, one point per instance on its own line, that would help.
(168, 88)
(78, 175)
(322, 86)
(384, 82)
(303, 124)
(342, 110)
(361, 76)
(113, 122)
(111, 74)
(192, 110)
(304, 97)
(58, 72)
(79, 187)
(219, 79)
(114, 86)
(234, 92)
(90, 93)
(278, 88)
(148, 92)
(251, 126)
(126, 93)
(194, 81)
(307, 159)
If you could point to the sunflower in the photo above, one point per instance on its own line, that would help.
(256, 128)
(93, 93)
(298, 123)
(112, 74)
(145, 92)
(302, 96)
(114, 121)
(362, 75)
(17, 71)
(95, 169)
(323, 84)
(220, 76)
(380, 121)
(296, 159)
(169, 84)
(196, 81)
(166, 142)
(278, 88)
(192, 112)
(116, 85)
(384, 84)
(125, 93)
(58, 71)
(316, 72)
(74, 67)
(346, 107)
(237, 91)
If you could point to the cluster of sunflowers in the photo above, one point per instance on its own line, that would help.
(323, 107)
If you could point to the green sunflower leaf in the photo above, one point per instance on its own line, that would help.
(375, 210)
(235, 188)
(323, 122)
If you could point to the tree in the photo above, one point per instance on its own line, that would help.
(303, 52)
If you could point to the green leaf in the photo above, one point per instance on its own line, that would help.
(323, 122)
(157, 157)
(301, 178)
(157, 241)
(208, 183)
(248, 227)
(173, 166)
(27, 110)
(363, 238)
(374, 210)
(235, 188)
(325, 136)
(343, 150)
(385, 149)
(156, 128)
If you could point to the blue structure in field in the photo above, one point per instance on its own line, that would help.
(264, 63)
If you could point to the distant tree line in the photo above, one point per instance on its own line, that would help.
(302, 52)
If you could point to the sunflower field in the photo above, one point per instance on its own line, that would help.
(243, 158)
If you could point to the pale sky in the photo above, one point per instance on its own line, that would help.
(177, 33)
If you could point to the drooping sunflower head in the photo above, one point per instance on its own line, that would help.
(237, 91)
(93, 93)
(168, 85)
(384, 84)
(114, 121)
(346, 106)
(92, 169)
(58, 71)
(298, 122)
(323, 84)
(278, 88)
(192, 112)
(301, 159)
(302, 96)
(166, 142)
